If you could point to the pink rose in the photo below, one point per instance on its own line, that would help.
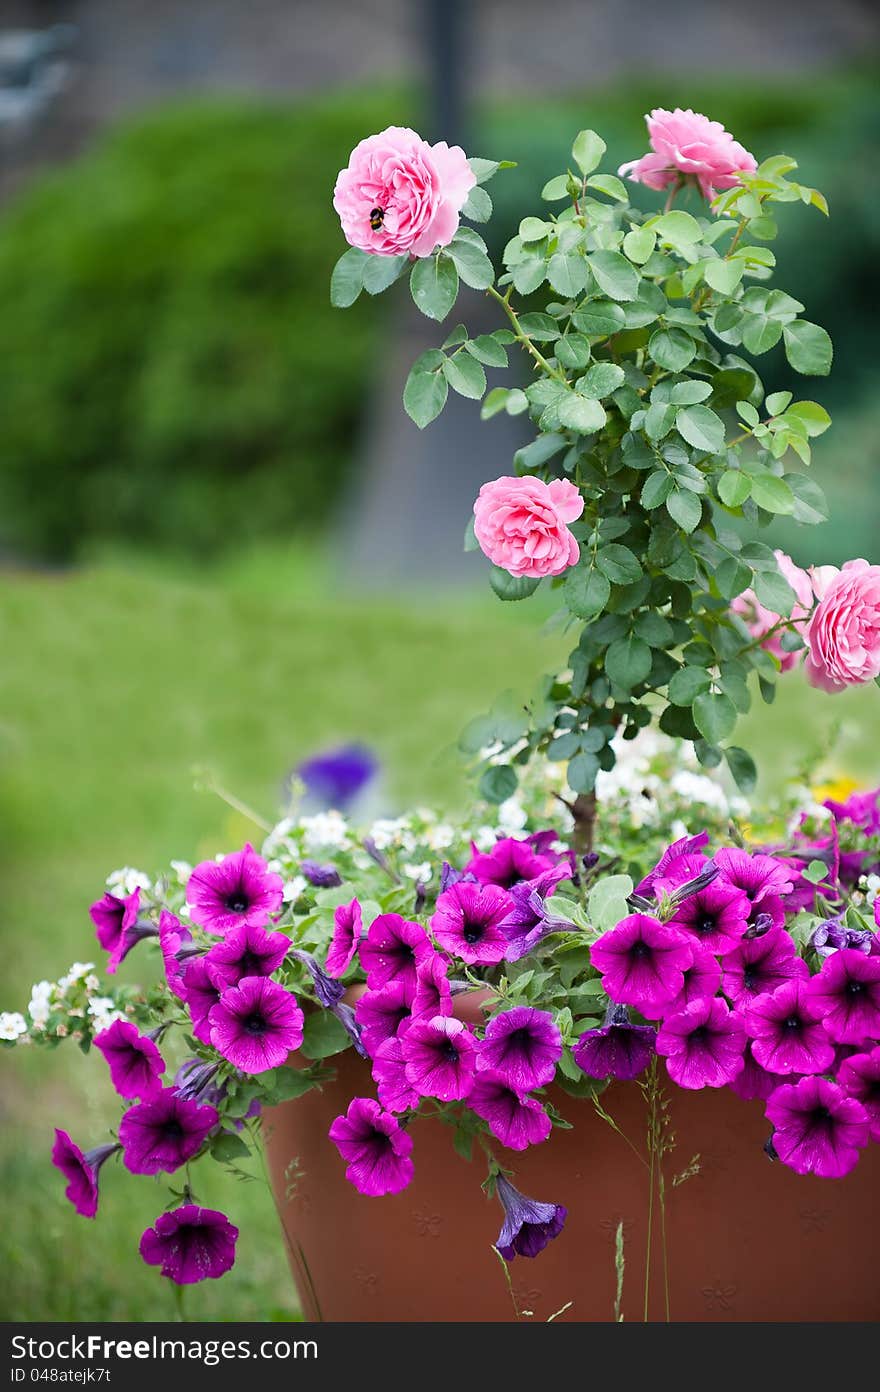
(520, 525)
(760, 621)
(843, 636)
(686, 145)
(400, 194)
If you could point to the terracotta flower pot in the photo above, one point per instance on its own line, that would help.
(747, 1239)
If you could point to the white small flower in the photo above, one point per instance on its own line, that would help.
(103, 1012)
(386, 832)
(182, 870)
(12, 1025)
(294, 888)
(39, 1007)
(420, 873)
(679, 829)
(325, 829)
(484, 838)
(92, 984)
(127, 880)
(872, 888)
(512, 816)
(440, 837)
(696, 787)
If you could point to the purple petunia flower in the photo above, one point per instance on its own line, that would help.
(703, 1044)
(190, 1244)
(375, 1147)
(523, 1045)
(787, 1031)
(322, 876)
(862, 809)
(440, 1056)
(238, 890)
(527, 922)
(515, 1120)
(528, 1224)
(256, 1024)
(328, 990)
(859, 1076)
(334, 779)
(754, 1081)
(679, 863)
(135, 1062)
(392, 950)
(195, 1079)
(245, 951)
(381, 1013)
(346, 1017)
(759, 965)
(701, 979)
(716, 916)
(177, 947)
(117, 927)
(199, 993)
(847, 993)
(818, 1129)
(831, 935)
(761, 877)
(348, 926)
(433, 993)
(81, 1171)
(468, 922)
(617, 1049)
(508, 863)
(642, 962)
(164, 1132)
(394, 1090)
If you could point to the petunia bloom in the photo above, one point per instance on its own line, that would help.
(716, 916)
(753, 1081)
(392, 950)
(680, 862)
(468, 922)
(433, 993)
(515, 1120)
(528, 1224)
(528, 921)
(164, 1132)
(321, 876)
(509, 862)
(190, 1244)
(818, 1128)
(334, 779)
(787, 1031)
(256, 1024)
(759, 965)
(440, 1058)
(238, 890)
(134, 1060)
(246, 951)
(760, 877)
(375, 1147)
(117, 927)
(393, 1089)
(703, 1044)
(175, 942)
(701, 979)
(859, 1076)
(642, 963)
(687, 147)
(381, 1013)
(618, 1049)
(200, 993)
(523, 1045)
(860, 808)
(348, 926)
(847, 995)
(81, 1171)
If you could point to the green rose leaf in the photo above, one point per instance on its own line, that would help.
(672, 349)
(599, 318)
(347, 277)
(568, 274)
(628, 661)
(657, 489)
(498, 783)
(511, 587)
(487, 350)
(734, 487)
(588, 150)
(585, 591)
(618, 564)
(614, 274)
(772, 494)
(714, 716)
(434, 286)
(382, 271)
(639, 244)
(555, 189)
(424, 396)
(724, 276)
(581, 414)
(477, 205)
(684, 508)
(700, 426)
(468, 253)
(465, 375)
(742, 766)
(687, 684)
(808, 348)
(601, 379)
(774, 592)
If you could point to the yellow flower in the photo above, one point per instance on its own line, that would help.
(837, 790)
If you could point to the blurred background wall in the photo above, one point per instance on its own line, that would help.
(166, 236)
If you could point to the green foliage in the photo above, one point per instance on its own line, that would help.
(645, 397)
(173, 370)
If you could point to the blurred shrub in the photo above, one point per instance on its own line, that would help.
(167, 335)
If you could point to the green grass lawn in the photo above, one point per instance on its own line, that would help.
(116, 682)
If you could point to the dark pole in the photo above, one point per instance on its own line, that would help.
(445, 63)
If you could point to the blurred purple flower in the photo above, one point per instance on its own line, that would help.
(334, 779)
